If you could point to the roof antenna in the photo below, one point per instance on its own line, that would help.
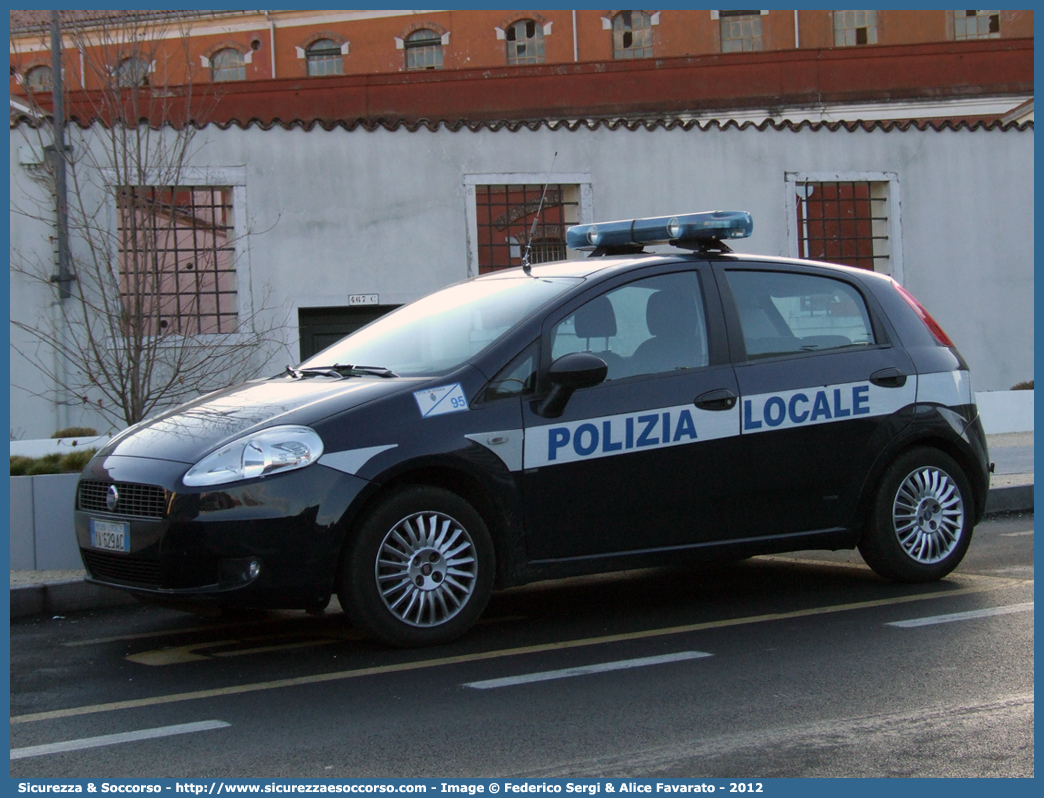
(526, 266)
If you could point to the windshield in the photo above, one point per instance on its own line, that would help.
(443, 330)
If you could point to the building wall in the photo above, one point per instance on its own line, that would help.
(387, 212)
(271, 41)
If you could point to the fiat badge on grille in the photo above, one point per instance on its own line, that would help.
(112, 498)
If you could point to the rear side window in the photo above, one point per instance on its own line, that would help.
(783, 313)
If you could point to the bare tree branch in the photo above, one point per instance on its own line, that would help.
(156, 315)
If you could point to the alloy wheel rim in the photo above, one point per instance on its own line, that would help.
(928, 515)
(426, 569)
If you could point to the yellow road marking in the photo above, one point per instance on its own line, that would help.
(170, 632)
(221, 627)
(991, 583)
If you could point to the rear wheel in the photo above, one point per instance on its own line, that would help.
(420, 570)
(921, 520)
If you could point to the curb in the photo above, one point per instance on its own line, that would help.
(1013, 499)
(75, 595)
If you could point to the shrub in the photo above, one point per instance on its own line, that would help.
(20, 465)
(1023, 386)
(76, 432)
(70, 463)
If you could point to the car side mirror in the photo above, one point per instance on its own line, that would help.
(568, 374)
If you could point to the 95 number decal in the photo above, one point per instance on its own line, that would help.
(440, 400)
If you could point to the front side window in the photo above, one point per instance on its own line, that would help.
(177, 259)
(852, 28)
(740, 31)
(976, 25)
(783, 313)
(423, 50)
(651, 326)
(516, 378)
(227, 65)
(133, 71)
(632, 35)
(525, 42)
(324, 58)
(444, 330)
(39, 78)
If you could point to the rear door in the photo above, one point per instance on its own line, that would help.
(823, 389)
(641, 461)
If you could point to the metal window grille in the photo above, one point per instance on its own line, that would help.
(976, 25)
(227, 65)
(852, 28)
(505, 216)
(177, 259)
(844, 222)
(632, 35)
(423, 50)
(324, 58)
(740, 31)
(525, 43)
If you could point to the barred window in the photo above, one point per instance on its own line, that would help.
(976, 25)
(740, 31)
(177, 259)
(632, 35)
(324, 58)
(227, 65)
(853, 28)
(525, 42)
(423, 50)
(844, 222)
(505, 215)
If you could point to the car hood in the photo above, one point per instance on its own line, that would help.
(188, 432)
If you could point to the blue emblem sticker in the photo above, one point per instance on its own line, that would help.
(444, 399)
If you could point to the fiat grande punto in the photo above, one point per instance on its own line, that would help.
(623, 410)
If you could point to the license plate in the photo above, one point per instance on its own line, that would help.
(110, 536)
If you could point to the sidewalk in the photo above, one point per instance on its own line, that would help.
(36, 593)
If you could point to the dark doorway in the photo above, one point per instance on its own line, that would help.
(321, 327)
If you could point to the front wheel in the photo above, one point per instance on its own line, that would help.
(420, 570)
(921, 520)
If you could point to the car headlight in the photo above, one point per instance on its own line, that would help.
(270, 451)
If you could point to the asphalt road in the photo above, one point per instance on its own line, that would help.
(773, 667)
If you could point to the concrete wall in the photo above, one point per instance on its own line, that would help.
(387, 212)
(42, 536)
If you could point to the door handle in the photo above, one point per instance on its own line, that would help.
(888, 378)
(720, 399)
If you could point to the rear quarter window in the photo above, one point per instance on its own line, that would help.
(783, 313)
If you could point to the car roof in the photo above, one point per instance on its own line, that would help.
(604, 266)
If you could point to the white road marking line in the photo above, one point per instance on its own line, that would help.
(963, 616)
(116, 739)
(584, 670)
(1016, 534)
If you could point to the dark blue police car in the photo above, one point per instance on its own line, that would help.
(623, 410)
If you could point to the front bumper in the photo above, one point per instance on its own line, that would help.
(272, 542)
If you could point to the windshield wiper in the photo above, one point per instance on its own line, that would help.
(377, 371)
(340, 371)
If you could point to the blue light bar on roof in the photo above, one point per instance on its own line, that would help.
(661, 230)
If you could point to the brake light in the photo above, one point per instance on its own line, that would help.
(933, 326)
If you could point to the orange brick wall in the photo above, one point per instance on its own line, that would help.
(473, 42)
